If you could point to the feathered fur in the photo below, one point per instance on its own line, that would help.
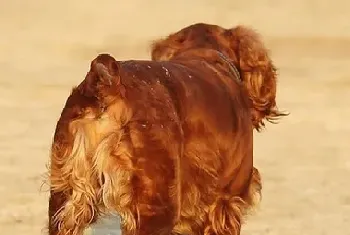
(167, 143)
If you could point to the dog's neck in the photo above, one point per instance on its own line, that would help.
(213, 57)
(233, 69)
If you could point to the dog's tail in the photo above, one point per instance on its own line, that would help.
(104, 73)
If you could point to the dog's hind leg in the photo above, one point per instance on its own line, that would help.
(73, 183)
(68, 218)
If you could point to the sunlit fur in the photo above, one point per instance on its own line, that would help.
(244, 47)
(88, 172)
(167, 144)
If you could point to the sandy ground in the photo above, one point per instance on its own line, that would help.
(46, 47)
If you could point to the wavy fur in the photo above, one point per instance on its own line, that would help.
(244, 47)
(168, 143)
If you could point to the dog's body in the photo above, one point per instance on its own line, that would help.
(167, 144)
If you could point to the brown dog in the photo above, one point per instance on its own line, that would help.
(168, 143)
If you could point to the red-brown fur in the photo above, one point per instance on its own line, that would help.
(167, 143)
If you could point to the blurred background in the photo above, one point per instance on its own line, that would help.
(46, 48)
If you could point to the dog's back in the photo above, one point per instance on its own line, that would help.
(192, 130)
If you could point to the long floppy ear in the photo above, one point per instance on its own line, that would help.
(104, 72)
(258, 74)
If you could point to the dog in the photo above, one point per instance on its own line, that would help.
(165, 143)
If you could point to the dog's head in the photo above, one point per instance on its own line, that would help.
(244, 48)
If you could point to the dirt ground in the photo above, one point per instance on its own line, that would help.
(46, 48)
